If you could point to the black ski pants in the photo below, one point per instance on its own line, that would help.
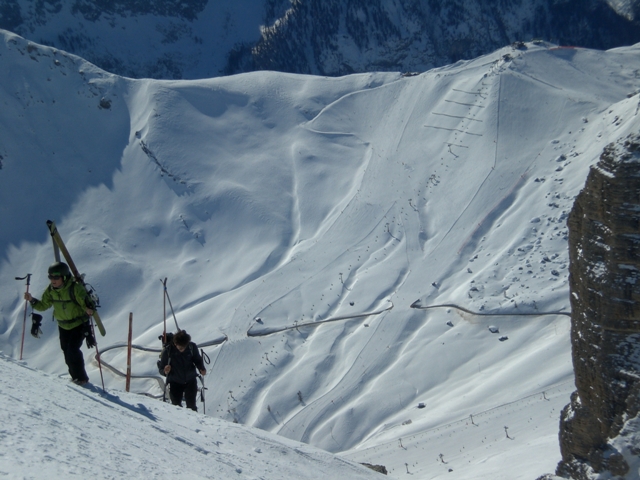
(189, 390)
(70, 342)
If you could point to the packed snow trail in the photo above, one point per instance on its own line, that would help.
(417, 306)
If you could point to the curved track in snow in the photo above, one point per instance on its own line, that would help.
(487, 314)
(141, 348)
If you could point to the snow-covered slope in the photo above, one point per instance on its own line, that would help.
(355, 241)
(53, 429)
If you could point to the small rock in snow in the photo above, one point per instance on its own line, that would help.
(494, 329)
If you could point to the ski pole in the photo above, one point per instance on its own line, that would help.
(166, 383)
(164, 310)
(207, 361)
(204, 405)
(166, 292)
(97, 353)
(129, 340)
(24, 321)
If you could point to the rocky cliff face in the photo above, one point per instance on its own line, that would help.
(338, 37)
(604, 249)
(201, 38)
(140, 38)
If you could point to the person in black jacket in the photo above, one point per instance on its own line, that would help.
(179, 361)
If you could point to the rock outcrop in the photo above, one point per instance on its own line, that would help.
(598, 429)
(174, 39)
(339, 37)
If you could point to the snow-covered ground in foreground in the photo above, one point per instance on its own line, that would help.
(361, 246)
(54, 429)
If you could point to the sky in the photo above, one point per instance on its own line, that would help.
(376, 265)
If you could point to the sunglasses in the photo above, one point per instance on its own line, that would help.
(54, 277)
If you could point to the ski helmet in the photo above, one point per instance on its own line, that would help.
(59, 268)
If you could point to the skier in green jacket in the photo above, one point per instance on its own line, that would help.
(72, 308)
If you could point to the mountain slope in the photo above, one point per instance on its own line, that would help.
(160, 39)
(341, 37)
(53, 429)
(201, 39)
(356, 240)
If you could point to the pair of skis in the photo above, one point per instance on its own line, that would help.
(58, 243)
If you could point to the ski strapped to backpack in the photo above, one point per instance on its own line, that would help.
(57, 240)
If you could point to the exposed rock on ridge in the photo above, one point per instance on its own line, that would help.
(201, 38)
(604, 249)
(338, 37)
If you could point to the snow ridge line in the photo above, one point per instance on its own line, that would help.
(315, 324)
(487, 314)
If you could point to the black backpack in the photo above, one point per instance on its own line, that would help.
(167, 345)
(167, 341)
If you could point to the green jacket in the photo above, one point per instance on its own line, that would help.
(68, 313)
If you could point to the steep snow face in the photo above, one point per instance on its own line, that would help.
(54, 429)
(362, 245)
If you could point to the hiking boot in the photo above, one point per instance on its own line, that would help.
(80, 382)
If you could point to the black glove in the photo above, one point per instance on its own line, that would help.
(36, 321)
(88, 335)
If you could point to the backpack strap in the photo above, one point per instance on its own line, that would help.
(72, 293)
